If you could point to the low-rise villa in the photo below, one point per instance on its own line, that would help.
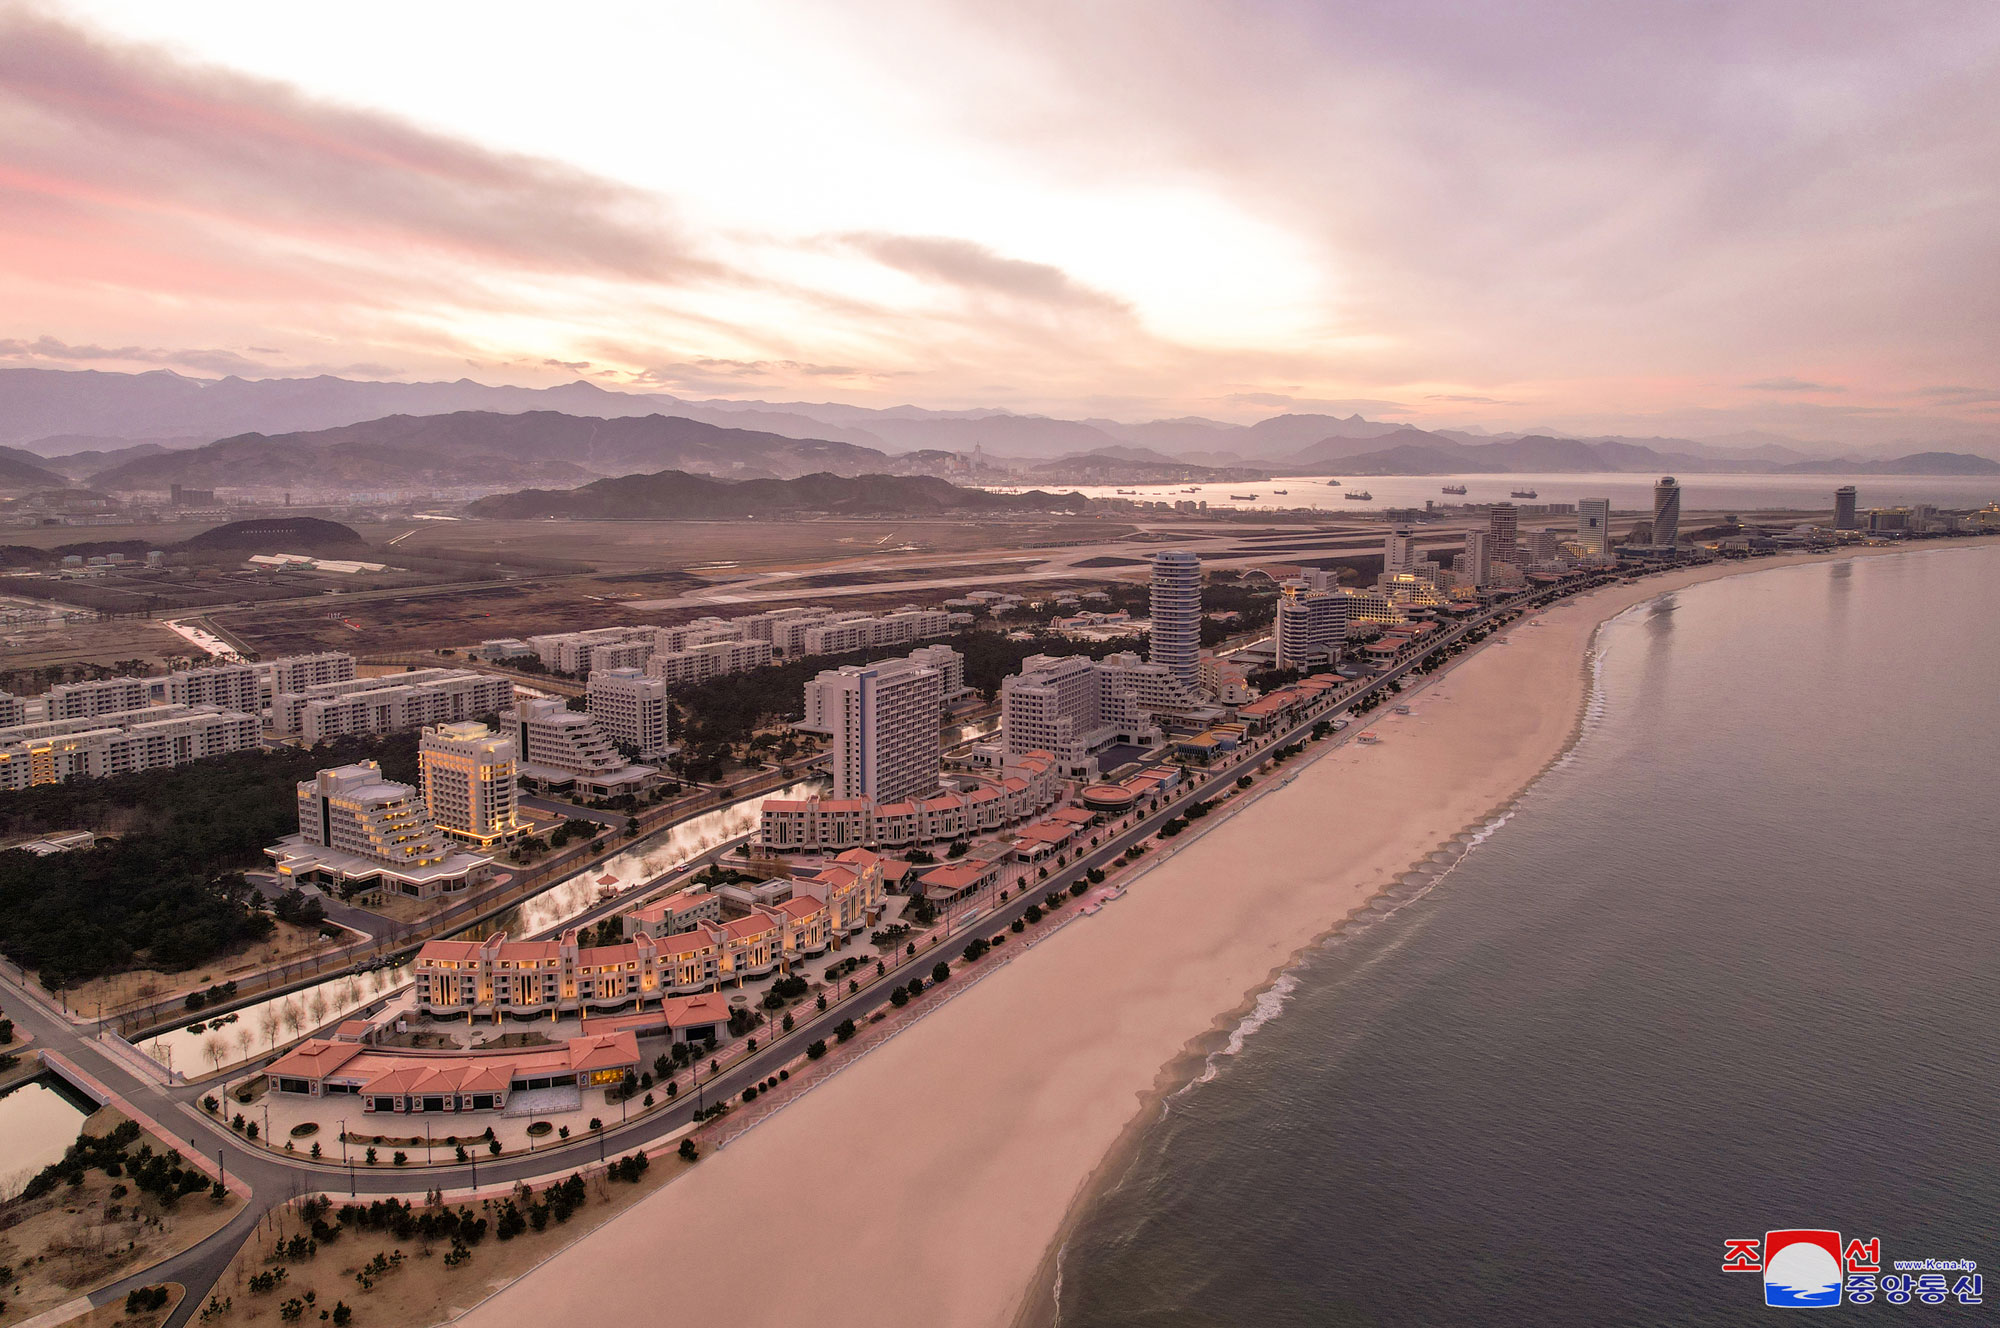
(397, 1079)
(553, 979)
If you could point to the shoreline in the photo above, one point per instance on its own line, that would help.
(988, 1141)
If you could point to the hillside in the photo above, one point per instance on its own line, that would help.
(484, 448)
(293, 534)
(1916, 463)
(677, 494)
(23, 470)
(1416, 452)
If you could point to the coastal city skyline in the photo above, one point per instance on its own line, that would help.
(995, 668)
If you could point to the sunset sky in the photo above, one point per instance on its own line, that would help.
(1688, 218)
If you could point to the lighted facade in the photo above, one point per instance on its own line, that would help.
(468, 774)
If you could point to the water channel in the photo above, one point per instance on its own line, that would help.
(204, 1046)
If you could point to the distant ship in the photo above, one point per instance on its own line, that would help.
(1525, 493)
(1454, 488)
(1359, 495)
(1244, 497)
(1334, 483)
(1281, 492)
(1128, 491)
(1191, 490)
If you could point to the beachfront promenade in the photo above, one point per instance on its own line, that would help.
(274, 1177)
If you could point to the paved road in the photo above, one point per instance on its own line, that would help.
(275, 1178)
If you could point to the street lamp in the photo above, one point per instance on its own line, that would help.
(344, 1159)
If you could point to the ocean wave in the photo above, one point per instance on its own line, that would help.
(1270, 1002)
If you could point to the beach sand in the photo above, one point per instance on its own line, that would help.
(927, 1183)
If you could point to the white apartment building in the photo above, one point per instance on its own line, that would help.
(632, 708)
(119, 743)
(1070, 706)
(82, 700)
(360, 831)
(611, 655)
(884, 721)
(229, 686)
(1503, 523)
(571, 652)
(1478, 566)
(12, 709)
(788, 634)
(388, 705)
(1311, 627)
(1370, 608)
(563, 748)
(670, 640)
(468, 773)
(1399, 550)
(949, 664)
(711, 659)
(1542, 546)
(1593, 527)
(763, 626)
(837, 637)
(295, 673)
(1176, 615)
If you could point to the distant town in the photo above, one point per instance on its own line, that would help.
(513, 891)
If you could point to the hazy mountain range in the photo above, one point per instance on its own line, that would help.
(144, 432)
(675, 493)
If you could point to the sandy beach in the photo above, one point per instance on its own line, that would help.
(926, 1183)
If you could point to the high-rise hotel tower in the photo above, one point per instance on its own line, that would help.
(1176, 615)
(1666, 512)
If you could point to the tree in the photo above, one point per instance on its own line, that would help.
(816, 1048)
(940, 971)
(844, 1029)
(688, 1150)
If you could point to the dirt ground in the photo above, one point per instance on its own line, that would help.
(421, 1290)
(145, 986)
(35, 645)
(74, 1240)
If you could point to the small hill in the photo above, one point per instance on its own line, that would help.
(1916, 463)
(292, 533)
(24, 470)
(677, 494)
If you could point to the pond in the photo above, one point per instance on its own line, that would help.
(39, 1120)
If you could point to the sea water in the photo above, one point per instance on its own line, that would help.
(1733, 966)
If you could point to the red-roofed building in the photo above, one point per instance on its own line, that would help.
(956, 880)
(398, 1079)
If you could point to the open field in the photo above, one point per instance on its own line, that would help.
(613, 546)
(25, 647)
